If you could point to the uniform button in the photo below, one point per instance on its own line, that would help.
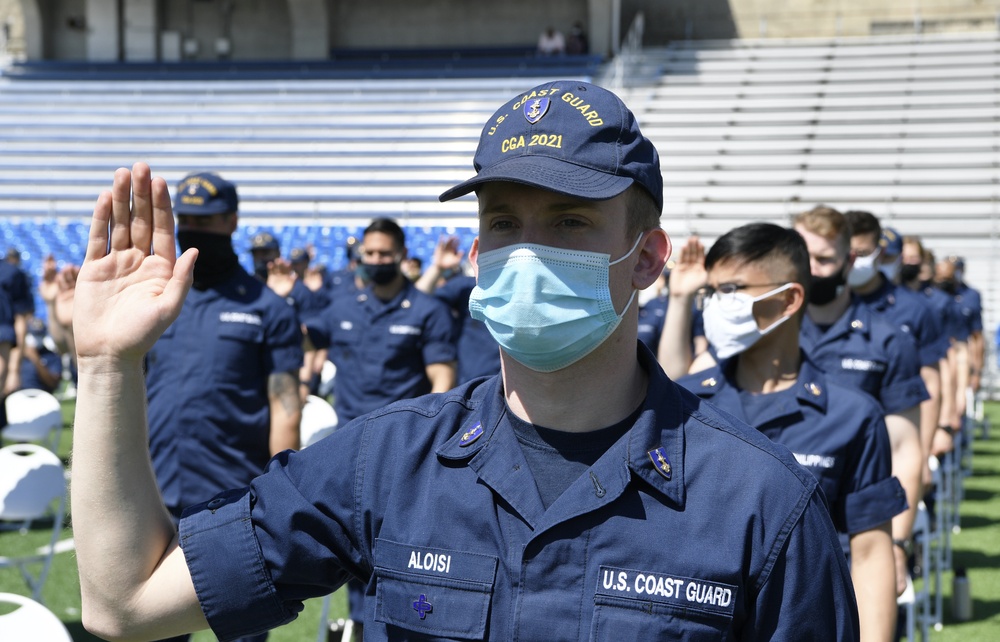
(216, 503)
(857, 324)
(405, 304)
(362, 298)
(710, 382)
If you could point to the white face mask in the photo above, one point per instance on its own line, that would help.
(729, 322)
(864, 269)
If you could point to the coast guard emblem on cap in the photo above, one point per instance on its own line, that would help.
(535, 108)
(471, 435)
(660, 461)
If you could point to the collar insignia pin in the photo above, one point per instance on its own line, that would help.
(661, 462)
(471, 435)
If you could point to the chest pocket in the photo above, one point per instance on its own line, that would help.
(635, 606)
(237, 351)
(433, 592)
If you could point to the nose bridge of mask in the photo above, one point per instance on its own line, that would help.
(865, 261)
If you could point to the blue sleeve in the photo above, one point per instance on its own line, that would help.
(439, 340)
(20, 293)
(902, 387)
(318, 329)
(7, 334)
(872, 496)
(933, 344)
(284, 340)
(808, 595)
(288, 537)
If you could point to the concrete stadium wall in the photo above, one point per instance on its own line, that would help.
(715, 19)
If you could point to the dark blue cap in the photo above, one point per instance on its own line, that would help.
(205, 194)
(264, 241)
(891, 242)
(298, 255)
(569, 137)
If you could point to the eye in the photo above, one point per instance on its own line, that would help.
(502, 225)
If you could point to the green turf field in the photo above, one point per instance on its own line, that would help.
(976, 547)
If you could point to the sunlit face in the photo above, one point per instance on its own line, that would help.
(825, 257)
(511, 213)
(379, 247)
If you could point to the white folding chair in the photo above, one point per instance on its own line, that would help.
(31, 621)
(33, 416)
(32, 487)
(319, 419)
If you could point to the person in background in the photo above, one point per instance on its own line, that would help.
(14, 282)
(265, 250)
(551, 42)
(855, 348)
(42, 365)
(758, 276)
(477, 351)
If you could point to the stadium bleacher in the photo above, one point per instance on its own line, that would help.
(905, 127)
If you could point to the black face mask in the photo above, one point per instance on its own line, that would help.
(909, 271)
(216, 258)
(948, 286)
(378, 273)
(260, 270)
(824, 289)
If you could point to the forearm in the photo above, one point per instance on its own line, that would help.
(442, 376)
(873, 575)
(121, 529)
(947, 370)
(286, 412)
(674, 350)
(930, 410)
(961, 380)
(907, 466)
(427, 282)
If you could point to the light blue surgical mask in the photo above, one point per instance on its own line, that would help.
(547, 307)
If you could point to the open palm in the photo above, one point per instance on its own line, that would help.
(131, 285)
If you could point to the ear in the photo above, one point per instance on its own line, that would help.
(474, 257)
(795, 298)
(233, 222)
(653, 252)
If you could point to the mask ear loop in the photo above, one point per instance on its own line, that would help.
(635, 292)
(774, 325)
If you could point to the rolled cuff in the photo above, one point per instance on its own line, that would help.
(230, 577)
(874, 505)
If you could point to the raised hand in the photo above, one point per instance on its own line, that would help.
(688, 273)
(447, 255)
(132, 285)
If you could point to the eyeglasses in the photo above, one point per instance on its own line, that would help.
(726, 292)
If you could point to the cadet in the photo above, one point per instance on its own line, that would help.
(971, 302)
(222, 380)
(847, 341)
(390, 340)
(758, 276)
(902, 308)
(579, 495)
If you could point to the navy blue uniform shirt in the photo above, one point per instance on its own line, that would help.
(209, 414)
(653, 315)
(691, 526)
(970, 303)
(7, 335)
(866, 353)
(953, 323)
(14, 282)
(911, 313)
(838, 433)
(478, 351)
(382, 348)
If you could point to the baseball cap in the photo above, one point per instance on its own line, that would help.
(891, 242)
(264, 241)
(204, 194)
(569, 137)
(297, 255)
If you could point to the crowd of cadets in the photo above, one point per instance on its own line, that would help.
(880, 338)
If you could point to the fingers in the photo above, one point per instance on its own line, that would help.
(121, 211)
(163, 221)
(180, 282)
(97, 242)
(141, 230)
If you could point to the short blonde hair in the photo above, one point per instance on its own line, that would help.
(826, 222)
